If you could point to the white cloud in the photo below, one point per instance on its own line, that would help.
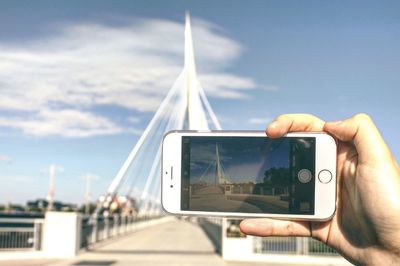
(133, 119)
(51, 85)
(66, 122)
(226, 85)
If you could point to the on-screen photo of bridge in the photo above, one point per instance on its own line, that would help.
(248, 175)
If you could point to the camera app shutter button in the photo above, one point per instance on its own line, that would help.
(325, 176)
(304, 176)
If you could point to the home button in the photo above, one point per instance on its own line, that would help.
(325, 176)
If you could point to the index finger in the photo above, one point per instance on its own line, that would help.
(272, 227)
(293, 123)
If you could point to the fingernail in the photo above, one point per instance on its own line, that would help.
(274, 124)
(248, 223)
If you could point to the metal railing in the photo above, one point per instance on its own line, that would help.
(102, 228)
(20, 234)
(292, 245)
(316, 247)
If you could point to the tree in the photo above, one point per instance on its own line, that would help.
(277, 177)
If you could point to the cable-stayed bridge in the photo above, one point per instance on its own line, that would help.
(149, 237)
(185, 107)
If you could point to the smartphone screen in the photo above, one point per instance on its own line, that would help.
(248, 174)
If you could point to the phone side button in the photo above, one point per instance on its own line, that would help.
(325, 176)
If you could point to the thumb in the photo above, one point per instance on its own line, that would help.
(361, 130)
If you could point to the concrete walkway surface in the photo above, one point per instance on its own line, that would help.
(175, 242)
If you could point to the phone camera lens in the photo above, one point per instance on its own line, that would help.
(171, 186)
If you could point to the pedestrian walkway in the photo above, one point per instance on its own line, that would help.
(175, 242)
(172, 243)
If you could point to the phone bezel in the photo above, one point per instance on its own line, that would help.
(325, 194)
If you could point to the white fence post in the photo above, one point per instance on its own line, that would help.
(305, 246)
(106, 229)
(115, 224)
(94, 230)
(61, 234)
(124, 223)
(37, 235)
(299, 246)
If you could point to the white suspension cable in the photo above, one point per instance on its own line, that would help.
(209, 109)
(121, 173)
(159, 129)
(172, 122)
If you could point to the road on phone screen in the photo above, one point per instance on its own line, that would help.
(212, 198)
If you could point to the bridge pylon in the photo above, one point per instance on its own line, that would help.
(185, 107)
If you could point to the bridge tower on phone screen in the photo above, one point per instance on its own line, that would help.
(214, 174)
(184, 107)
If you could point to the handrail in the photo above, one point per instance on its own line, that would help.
(21, 233)
(21, 220)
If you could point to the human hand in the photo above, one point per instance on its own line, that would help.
(366, 226)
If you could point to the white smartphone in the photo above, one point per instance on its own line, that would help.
(246, 174)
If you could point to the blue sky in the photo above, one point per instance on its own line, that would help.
(242, 160)
(79, 80)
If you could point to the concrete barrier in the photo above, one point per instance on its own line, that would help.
(213, 229)
(61, 234)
